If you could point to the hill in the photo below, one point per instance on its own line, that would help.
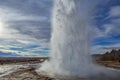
(108, 59)
(114, 55)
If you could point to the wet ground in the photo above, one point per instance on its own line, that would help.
(24, 74)
(27, 71)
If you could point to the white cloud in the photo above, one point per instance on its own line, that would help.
(24, 25)
(9, 32)
(24, 41)
(108, 31)
(24, 48)
(16, 22)
(9, 14)
(98, 49)
(108, 28)
(116, 21)
(113, 27)
(115, 11)
(101, 49)
(15, 52)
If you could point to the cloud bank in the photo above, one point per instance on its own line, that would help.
(28, 22)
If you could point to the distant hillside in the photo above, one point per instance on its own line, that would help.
(108, 59)
(22, 60)
(113, 55)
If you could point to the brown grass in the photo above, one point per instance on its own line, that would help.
(112, 64)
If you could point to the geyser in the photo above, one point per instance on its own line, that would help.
(70, 40)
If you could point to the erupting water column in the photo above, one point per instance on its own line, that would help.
(70, 41)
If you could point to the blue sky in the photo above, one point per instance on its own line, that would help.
(25, 27)
(107, 23)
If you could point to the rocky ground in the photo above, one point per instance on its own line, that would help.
(24, 74)
(29, 73)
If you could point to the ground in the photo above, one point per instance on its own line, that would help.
(111, 64)
(29, 73)
(24, 74)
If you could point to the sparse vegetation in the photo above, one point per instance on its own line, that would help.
(114, 55)
(109, 59)
(23, 60)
